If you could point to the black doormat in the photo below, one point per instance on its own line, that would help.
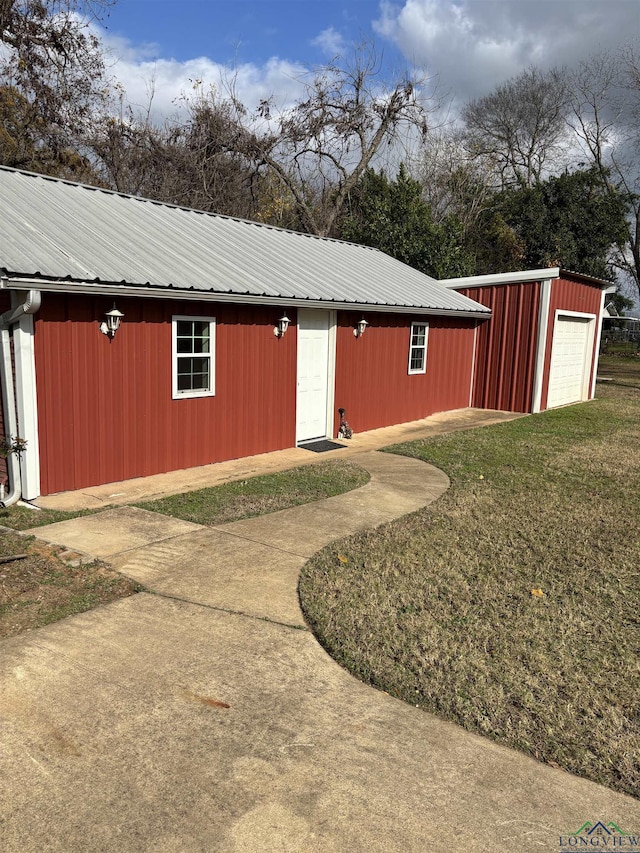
(321, 446)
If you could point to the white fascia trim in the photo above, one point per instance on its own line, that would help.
(235, 298)
(560, 312)
(596, 358)
(27, 405)
(501, 278)
(331, 370)
(541, 345)
(473, 366)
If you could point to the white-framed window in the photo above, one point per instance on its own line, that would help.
(418, 348)
(193, 356)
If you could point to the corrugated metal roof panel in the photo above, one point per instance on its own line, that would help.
(59, 230)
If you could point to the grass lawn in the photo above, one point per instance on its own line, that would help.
(511, 605)
(42, 588)
(260, 495)
(24, 517)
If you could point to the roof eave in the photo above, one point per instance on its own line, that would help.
(522, 276)
(501, 278)
(13, 282)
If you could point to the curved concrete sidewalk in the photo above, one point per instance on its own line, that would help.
(205, 717)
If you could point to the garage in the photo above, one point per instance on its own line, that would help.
(571, 357)
(540, 348)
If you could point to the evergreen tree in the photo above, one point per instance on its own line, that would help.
(393, 217)
(572, 221)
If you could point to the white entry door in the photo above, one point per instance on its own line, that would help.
(312, 407)
(571, 357)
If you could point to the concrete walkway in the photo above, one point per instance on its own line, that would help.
(204, 716)
(190, 479)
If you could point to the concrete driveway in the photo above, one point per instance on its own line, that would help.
(204, 716)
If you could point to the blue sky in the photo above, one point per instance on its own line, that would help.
(242, 30)
(159, 47)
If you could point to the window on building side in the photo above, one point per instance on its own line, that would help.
(193, 356)
(418, 348)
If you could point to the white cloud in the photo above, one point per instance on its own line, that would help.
(469, 45)
(472, 46)
(122, 50)
(161, 84)
(331, 42)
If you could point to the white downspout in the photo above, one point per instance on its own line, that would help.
(29, 306)
(27, 403)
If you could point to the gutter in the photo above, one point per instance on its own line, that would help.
(501, 278)
(29, 306)
(193, 295)
(521, 277)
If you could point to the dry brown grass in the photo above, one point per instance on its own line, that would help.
(43, 588)
(438, 609)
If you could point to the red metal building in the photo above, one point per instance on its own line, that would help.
(373, 378)
(139, 338)
(194, 372)
(540, 349)
(99, 421)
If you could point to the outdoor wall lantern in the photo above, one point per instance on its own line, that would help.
(111, 325)
(281, 328)
(360, 328)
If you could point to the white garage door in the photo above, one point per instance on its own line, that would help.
(570, 360)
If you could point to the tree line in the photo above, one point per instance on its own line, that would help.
(543, 171)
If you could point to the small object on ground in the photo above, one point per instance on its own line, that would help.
(206, 700)
(345, 430)
(12, 558)
(538, 593)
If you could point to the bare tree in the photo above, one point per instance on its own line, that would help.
(185, 161)
(54, 64)
(454, 182)
(605, 117)
(121, 149)
(519, 129)
(319, 149)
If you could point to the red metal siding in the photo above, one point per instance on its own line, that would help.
(372, 380)
(506, 346)
(567, 295)
(105, 407)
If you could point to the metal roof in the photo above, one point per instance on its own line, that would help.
(62, 232)
(521, 276)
